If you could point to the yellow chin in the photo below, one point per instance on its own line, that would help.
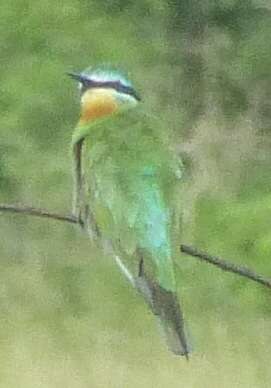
(96, 103)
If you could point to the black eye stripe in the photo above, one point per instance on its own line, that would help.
(117, 85)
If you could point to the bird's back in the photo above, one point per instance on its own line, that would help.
(133, 188)
(133, 179)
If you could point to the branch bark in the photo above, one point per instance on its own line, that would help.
(37, 212)
(224, 265)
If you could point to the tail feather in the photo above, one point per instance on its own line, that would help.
(166, 307)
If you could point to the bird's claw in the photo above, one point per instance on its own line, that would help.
(86, 221)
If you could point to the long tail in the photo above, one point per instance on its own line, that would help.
(166, 307)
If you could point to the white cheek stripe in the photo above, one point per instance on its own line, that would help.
(125, 98)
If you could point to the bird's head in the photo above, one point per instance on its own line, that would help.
(103, 92)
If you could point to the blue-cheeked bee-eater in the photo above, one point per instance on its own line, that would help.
(127, 191)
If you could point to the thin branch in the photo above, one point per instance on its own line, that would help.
(32, 211)
(226, 265)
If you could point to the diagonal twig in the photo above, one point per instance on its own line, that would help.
(33, 211)
(225, 265)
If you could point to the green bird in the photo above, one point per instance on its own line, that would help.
(127, 191)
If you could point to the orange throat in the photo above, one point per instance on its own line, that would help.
(95, 104)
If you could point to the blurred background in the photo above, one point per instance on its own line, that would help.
(67, 316)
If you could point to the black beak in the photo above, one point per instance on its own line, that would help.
(75, 76)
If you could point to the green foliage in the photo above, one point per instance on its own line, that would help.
(203, 67)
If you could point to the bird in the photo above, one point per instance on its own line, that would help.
(127, 188)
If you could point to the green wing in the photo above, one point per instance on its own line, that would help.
(133, 181)
(132, 178)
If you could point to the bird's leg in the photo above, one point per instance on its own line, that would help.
(81, 209)
(78, 181)
(92, 227)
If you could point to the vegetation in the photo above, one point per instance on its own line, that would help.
(67, 316)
